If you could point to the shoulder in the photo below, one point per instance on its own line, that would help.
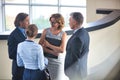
(13, 34)
(81, 31)
(38, 45)
(46, 30)
(82, 34)
(63, 33)
(16, 30)
(21, 43)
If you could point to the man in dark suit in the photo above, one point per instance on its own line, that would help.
(18, 35)
(77, 49)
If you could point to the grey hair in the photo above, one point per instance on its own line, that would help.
(78, 17)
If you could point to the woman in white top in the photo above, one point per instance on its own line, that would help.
(30, 55)
(53, 41)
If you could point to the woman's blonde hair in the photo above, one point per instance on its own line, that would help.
(59, 19)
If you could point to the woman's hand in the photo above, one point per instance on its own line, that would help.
(46, 43)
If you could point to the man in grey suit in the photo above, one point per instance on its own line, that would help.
(77, 49)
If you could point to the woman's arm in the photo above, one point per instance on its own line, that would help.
(41, 61)
(19, 60)
(42, 41)
(57, 49)
(50, 51)
(42, 38)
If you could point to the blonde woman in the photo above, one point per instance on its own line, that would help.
(53, 42)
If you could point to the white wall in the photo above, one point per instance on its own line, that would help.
(103, 43)
(5, 63)
(92, 5)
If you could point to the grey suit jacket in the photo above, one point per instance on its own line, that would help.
(76, 55)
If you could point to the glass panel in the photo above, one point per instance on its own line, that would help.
(17, 1)
(45, 1)
(40, 16)
(65, 11)
(75, 2)
(10, 15)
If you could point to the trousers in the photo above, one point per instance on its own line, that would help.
(33, 74)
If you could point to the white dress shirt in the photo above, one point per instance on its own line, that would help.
(30, 55)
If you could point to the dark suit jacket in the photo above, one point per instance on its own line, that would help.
(14, 38)
(76, 55)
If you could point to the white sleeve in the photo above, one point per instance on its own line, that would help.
(19, 60)
(41, 62)
(46, 61)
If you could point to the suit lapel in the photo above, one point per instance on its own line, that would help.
(20, 34)
(72, 37)
(69, 41)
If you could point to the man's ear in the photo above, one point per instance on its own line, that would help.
(21, 23)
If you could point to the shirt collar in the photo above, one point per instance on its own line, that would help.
(29, 40)
(22, 30)
(76, 30)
